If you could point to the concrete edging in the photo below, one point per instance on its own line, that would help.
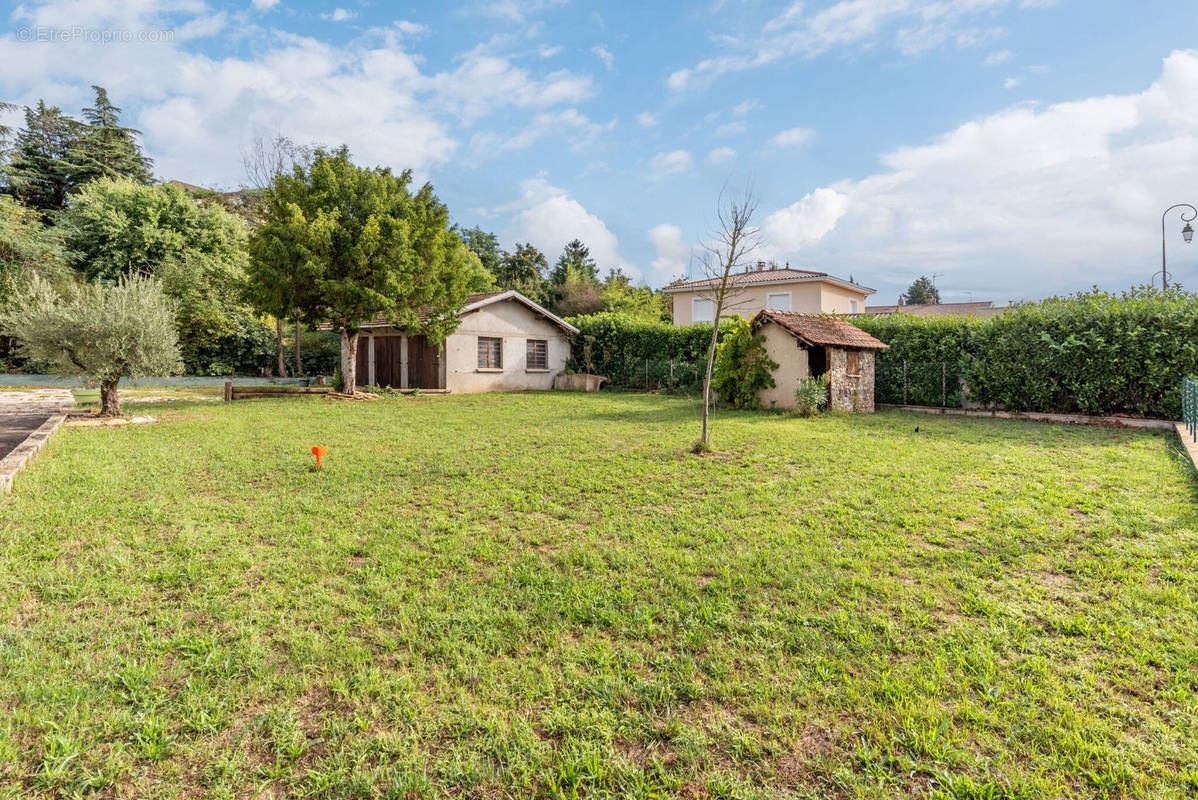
(12, 463)
(1187, 442)
(1043, 416)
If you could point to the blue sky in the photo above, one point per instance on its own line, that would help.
(1015, 148)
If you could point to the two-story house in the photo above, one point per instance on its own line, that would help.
(762, 287)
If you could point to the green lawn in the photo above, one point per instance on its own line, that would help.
(546, 595)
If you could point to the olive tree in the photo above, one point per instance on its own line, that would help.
(101, 331)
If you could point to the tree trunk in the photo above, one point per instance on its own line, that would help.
(299, 363)
(715, 332)
(349, 361)
(279, 347)
(110, 402)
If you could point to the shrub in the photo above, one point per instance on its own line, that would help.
(811, 396)
(636, 352)
(742, 367)
(1091, 352)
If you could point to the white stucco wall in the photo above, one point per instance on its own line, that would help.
(783, 349)
(515, 323)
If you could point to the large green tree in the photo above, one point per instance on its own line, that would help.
(575, 263)
(42, 169)
(102, 331)
(523, 269)
(922, 290)
(371, 249)
(485, 245)
(107, 149)
(116, 228)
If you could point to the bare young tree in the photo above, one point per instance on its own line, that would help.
(263, 161)
(729, 251)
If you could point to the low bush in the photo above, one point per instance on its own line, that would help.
(811, 396)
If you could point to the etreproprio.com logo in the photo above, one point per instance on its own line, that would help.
(79, 33)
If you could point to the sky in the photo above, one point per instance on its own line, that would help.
(1014, 149)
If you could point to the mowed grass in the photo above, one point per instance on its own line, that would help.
(546, 595)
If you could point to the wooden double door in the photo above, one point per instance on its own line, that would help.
(423, 362)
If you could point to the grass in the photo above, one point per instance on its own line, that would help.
(546, 595)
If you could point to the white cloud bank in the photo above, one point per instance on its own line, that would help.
(1022, 203)
(197, 111)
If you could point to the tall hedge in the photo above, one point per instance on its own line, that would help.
(1092, 352)
(632, 351)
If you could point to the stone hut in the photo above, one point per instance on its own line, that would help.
(809, 345)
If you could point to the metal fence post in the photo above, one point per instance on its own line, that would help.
(904, 381)
(943, 384)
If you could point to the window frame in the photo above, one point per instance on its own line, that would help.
(789, 301)
(530, 346)
(853, 306)
(494, 346)
(852, 363)
(694, 307)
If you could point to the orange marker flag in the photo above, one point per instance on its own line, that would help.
(319, 452)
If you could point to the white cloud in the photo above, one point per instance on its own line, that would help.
(792, 137)
(734, 128)
(674, 162)
(339, 15)
(517, 11)
(483, 82)
(265, 5)
(673, 253)
(549, 217)
(800, 224)
(721, 155)
(910, 26)
(581, 132)
(409, 28)
(646, 120)
(604, 55)
(547, 51)
(997, 57)
(1027, 201)
(1011, 83)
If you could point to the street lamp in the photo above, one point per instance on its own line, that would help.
(1187, 234)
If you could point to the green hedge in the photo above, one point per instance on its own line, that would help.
(637, 353)
(1093, 352)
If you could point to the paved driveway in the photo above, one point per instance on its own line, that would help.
(21, 413)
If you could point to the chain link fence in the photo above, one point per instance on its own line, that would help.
(1189, 406)
(917, 383)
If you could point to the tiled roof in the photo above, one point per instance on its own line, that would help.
(753, 276)
(980, 308)
(820, 329)
(472, 300)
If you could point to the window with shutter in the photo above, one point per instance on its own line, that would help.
(490, 352)
(538, 354)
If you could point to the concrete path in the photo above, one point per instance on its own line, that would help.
(27, 420)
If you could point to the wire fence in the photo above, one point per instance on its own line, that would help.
(1189, 406)
(917, 383)
(655, 375)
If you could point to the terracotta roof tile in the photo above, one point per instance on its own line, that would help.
(753, 276)
(820, 329)
(935, 309)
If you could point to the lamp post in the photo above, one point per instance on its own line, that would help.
(1187, 234)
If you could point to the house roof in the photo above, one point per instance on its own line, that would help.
(821, 330)
(755, 277)
(980, 308)
(480, 300)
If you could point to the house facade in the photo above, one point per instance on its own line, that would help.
(505, 343)
(810, 345)
(778, 289)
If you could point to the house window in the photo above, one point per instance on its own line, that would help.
(490, 352)
(853, 365)
(778, 301)
(852, 306)
(538, 354)
(702, 310)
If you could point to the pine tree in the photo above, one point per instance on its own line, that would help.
(42, 171)
(106, 149)
(921, 291)
(575, 263)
